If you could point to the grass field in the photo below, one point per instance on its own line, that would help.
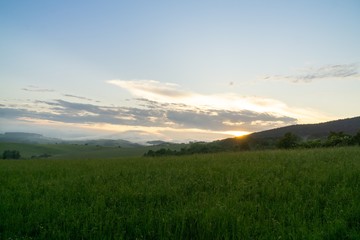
(298, 194)
(77, 151)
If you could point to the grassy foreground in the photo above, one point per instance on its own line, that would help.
(299, 194)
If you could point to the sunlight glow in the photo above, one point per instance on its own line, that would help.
(237, 133)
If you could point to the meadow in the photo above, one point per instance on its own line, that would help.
(80, 151)
(275, 194)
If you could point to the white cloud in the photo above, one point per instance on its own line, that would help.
(152, 89)
(172, 93)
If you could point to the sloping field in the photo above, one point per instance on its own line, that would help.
(79, 151)
(299, 194)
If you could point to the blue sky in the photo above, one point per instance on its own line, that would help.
(176, 70)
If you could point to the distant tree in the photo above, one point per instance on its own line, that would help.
(160, 152)
(338, 139)
(289, 140)
(244, 146)
(315, 143)
(11, 154)
(356, 138)
(150, 153)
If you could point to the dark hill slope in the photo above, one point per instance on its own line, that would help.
(320, 130)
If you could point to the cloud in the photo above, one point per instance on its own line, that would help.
(80, 98)
(187, 100)
(160, 109)
(151, 89)
(307, 75)
(223, 120)
(148, 114)
(32, 88)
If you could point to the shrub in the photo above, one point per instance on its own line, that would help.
(11, 154)
(289, 140)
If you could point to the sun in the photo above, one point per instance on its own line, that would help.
(237, 133)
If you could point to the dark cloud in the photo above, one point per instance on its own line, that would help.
(151, 114)
(310, 74)
(221, 120)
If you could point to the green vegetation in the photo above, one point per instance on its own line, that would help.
(71, 151)
(277, 194)
(11, 154)
(334, 139)
(288, 141)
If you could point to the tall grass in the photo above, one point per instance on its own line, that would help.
(299, 194)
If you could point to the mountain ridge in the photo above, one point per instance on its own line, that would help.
(315, 130)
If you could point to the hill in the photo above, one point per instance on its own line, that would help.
(34, 138)
(22, 137)
(105, 143)
(268, 139)
(311, 131)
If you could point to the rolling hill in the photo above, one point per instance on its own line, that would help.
(310, 131)
(22, 137)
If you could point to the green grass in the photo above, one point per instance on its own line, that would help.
(75, 151)
(299, 194)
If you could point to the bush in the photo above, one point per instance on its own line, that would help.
(316, 143)
(11, 154)
(289, 140)
(338, 139)
(356, 138)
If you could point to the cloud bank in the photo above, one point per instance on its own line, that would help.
(161, 110)
(148, 114)
(166, 93)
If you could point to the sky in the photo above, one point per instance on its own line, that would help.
(176, 70)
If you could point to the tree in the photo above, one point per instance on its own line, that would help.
(356, 138)
(338, 139)
(315, 143)
(150, 153)
(11, 154)
(289, 140)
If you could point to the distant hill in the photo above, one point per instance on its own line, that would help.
(310, 131)
(158, 142)
(34, 138)
(105, 143)
(259, 140)
(269, 138)
(22, 137)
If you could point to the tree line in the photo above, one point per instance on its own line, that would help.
(287, 141)
(334, 139)
(15, 154)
